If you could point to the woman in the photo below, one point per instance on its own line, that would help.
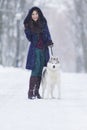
(37, 33)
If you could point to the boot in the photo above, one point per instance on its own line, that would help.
(37, 86)
(31, 93)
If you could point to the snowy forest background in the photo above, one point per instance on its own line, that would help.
(67, 21)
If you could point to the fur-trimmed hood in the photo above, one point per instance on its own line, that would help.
(35, 26)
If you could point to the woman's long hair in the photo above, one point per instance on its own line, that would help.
(35, 26)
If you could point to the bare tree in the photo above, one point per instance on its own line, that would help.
(77, 18)
(0, 37)
(12, 48)
(80, 8)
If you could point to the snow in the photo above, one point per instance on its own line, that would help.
(19, 113)
(53, 4)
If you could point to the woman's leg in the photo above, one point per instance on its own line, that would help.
(31, 94)
(34, 87)
(37, 87)
(37, 73)
(40, 65)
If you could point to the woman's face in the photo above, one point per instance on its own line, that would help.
(35, 15)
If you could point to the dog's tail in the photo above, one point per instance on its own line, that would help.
(43, 75)
(44, 71)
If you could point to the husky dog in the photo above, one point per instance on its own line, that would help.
(51, 78)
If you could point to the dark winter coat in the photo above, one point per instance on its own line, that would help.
(33, 38)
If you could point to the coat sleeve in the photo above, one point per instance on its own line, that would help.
(28, 33)
(48, 36)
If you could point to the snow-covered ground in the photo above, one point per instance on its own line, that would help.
(19, 113)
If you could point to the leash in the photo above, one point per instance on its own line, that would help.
(51, 50)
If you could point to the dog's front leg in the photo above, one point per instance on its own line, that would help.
(48, 91)
(52, 90)
(43, 88)
(59, 90)
(43, 91)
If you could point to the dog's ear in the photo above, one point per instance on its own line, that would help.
(51, 59)
(57, 59)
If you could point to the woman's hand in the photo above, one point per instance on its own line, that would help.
(51, 46)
